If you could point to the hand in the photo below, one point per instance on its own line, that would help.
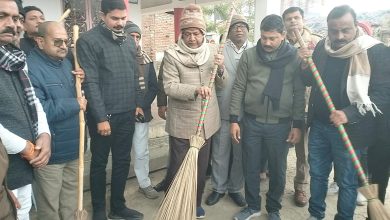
(338, 118)
(235, 132)
(218, 60)
(83, 103)
(15, 200)
(79, 73)
(294, 136)
(104, 128)
(203, 91)
(29, 152)
(43, 144)
(162, 112)
(139, 110)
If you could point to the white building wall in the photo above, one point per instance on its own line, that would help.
(51, 8)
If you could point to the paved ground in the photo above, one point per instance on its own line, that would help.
(225, 209)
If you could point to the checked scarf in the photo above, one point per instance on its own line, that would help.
(13, 60)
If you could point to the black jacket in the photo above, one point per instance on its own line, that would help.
(111, 73)
(360, 128)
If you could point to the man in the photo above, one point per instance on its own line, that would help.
(23, 126)
(8, 211)
(226, 169)
(112, 89)
(148, 83)
(293, 20)
(51, 75)
(345, 60)
(187, 71)
(33, 16)
(19, 25)
(269, 91)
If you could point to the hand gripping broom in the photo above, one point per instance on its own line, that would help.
(81, 214)
(179, 202)
(375, 206)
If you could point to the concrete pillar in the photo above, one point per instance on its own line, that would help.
(262, 9)
(177, 13)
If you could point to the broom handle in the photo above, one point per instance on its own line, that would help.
(64, 15)
(347, 142)
(81, 124)
(205, 102)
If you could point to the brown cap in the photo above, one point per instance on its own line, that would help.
(192, 18)
(239, 19)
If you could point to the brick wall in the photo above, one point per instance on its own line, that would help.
(158, 33)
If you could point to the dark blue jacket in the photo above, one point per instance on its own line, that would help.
(151, 89)
(53, 82)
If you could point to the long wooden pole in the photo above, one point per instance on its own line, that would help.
(81, 125)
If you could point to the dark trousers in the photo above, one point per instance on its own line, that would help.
(119, 142)
(257, 136)
(178, 149)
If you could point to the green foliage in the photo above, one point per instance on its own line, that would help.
(217, 15)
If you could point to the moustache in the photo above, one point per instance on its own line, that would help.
(9, 30)
(340, 42)
(268, 47)
(119, 27)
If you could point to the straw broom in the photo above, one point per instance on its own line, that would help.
(375, 206)
(81, 214)
(179, 202)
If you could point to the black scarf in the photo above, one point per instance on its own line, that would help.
(118, 37)
(273, 89)
(13, 60)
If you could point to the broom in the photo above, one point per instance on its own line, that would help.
(179, 202)
(81, 214)
(375, 206)
(64, 15)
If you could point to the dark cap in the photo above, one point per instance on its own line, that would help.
(131, 27)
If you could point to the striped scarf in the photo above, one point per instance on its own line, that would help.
(13, 60)
(142, 60)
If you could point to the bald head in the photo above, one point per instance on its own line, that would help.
(53, 39)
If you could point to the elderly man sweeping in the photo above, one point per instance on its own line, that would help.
(187, 70)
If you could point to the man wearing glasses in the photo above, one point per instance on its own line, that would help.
(54, 83)
(226, 157)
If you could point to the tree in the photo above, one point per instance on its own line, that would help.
(217, 15)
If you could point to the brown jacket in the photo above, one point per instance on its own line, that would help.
(180, 83)
(7, 211)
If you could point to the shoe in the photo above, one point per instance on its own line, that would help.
(246, 214)
(274, 216)
(200, 213)
(127, 214)
(313, 218)
(238, 199)
(300, 198)
(160, 186)
(333, 188)
(214, 197)
(360, 199)
(149, 192)
(99, 215)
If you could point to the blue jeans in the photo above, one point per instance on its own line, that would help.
(256, 136)
(325, 146)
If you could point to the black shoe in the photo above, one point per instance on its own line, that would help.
(238, 199)
(127, 214)
(99, 215)
(214, 198)
(161, 186)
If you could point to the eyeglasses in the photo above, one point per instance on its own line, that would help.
(239, 26)
(189, 34)
(60, 42)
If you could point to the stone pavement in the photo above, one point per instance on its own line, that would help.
(225, 208)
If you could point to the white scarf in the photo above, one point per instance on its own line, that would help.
(191, 57)
(359, 70)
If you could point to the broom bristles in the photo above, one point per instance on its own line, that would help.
(179, 203)
(375, 206)
(81, 215)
